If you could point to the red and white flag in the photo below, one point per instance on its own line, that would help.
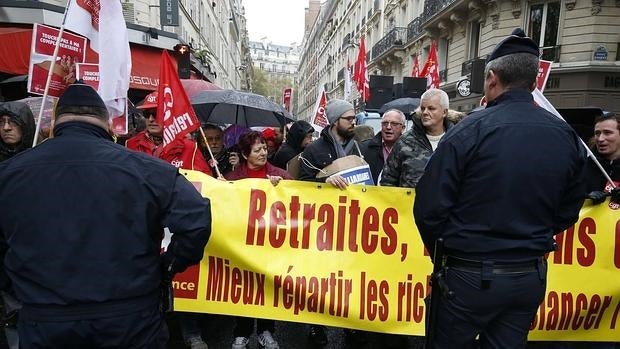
(431, 68)
(174, 111)
(319, 117)
(102, 22)
(360, 72)
(415, 72)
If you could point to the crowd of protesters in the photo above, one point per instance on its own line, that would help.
(396, 157)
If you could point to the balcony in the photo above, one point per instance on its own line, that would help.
(414, 30)
(433, 7)
(394, 39)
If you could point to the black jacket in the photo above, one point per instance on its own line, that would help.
(319, 154)
(82, 222)
(292, 146)
(595, 179)
(373, 154)
(502, 182)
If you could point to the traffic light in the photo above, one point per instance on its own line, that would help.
(182, 52)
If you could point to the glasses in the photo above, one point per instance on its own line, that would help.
(391, 123)
(7, 120)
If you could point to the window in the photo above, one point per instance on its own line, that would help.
(543, 28)
(474, 39)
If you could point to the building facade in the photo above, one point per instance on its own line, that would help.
(214, 30)
(580, 37)
(277, 62)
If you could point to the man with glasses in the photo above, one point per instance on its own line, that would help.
(377, 149)
(407, 160)
(336, 141)
(181, 153)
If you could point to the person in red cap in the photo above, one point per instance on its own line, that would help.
(182, 153)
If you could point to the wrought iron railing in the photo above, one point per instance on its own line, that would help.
(433, 7)
(394, 38)
(414, 29)
(550, 53)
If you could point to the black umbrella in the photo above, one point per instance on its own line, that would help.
(407, 105)
(239, 108)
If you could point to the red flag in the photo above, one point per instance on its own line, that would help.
(431, 68)
(416, 68)
(360, 72)
(319, 117)
(174, 111)
(286, 98)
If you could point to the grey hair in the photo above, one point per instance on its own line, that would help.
(400, 113)
(515, 70)
(444, 101)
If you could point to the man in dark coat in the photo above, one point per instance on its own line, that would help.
(16, 135)
(492, 194)
(376, 149)
(80, 233)
(298, 137)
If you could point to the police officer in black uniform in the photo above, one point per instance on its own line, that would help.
(80, 234)
(499, 186)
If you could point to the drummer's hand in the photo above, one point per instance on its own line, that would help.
(337, 181)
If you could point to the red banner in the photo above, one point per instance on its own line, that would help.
(319, 118)
(544, 68)
(72, 50)
(286, 98)
(174, 111)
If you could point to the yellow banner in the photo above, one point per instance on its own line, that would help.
(310, 253)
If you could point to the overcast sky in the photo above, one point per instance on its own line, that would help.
(281, 21)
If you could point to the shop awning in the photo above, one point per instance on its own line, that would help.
(15, 46)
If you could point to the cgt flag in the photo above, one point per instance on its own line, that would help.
(102, 22)
(431, 68)
(319, 117)
(174, 111)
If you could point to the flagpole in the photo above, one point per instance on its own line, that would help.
(49, 80)
(544, 103)
(204, 139)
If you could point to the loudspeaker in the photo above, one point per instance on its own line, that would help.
(397, 91)
(380, 91)
(413, 87)
(381, 81)
(477, 76)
